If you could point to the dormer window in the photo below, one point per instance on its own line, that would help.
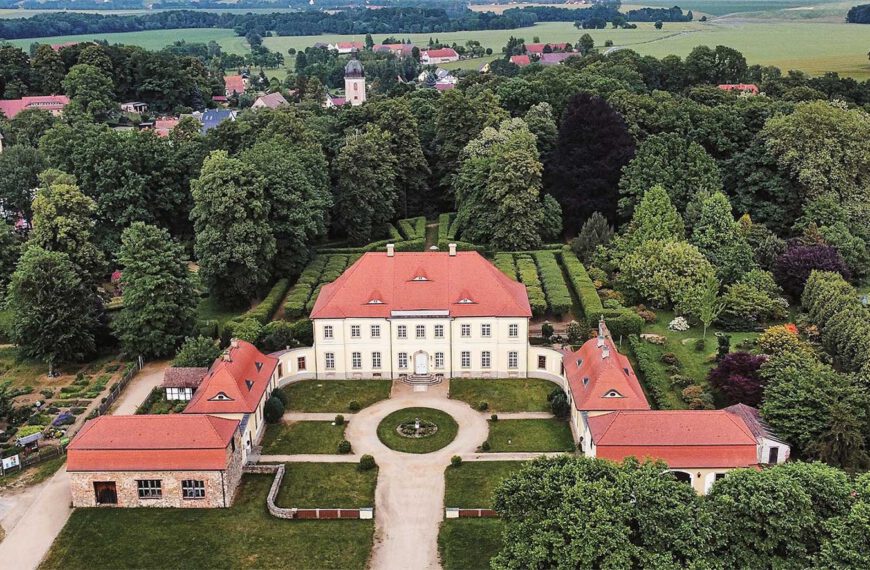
(579, 362)
(249, 384)
(613, 394)
(375, 302)
(465, 301)
(585, 381)
(220, 397)
(420, 278)
(259, 365)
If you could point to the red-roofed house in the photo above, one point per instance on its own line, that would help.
(235, 84)
(54, 104)
(538, 49)
(742, 87)
(347, 47)
(436, 56)
(399, 50)
(428, 315)
(164, 126)
(555, 58)
(521, 60)
(270, 101)
(168, 460)
(237, 386)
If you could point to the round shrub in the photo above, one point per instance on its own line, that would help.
(485, 446)
(559, 403)
(354, 406)
(366, 463)
(547, 329)
(493, 418)
(482, 406)
(681, 381)
(456, 461)
(670, 358)
(344, 446)
(281, 395)
(339, 420)
(273, 410)
(700, 345)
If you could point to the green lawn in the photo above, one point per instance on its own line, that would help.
(302, 437)
(153, 39)
(504, 394)
(447, 429)
(530, 435)
(20, 371)
(33, 475)
(335, 395)
(310, 485)
(244, 536)
(468, 544)
(472, 484)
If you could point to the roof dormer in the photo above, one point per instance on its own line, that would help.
(220, 397)
(612, 394)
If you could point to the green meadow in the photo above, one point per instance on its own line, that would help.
(152, 39)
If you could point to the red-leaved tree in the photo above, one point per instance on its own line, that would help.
(736, 378)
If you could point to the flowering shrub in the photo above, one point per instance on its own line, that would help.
(679, 324)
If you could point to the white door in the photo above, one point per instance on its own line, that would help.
(421, 363)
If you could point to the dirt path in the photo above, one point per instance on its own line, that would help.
(139, 387)
(409, 500)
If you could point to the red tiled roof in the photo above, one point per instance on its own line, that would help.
(235, 383)
(164, 126)
(752, 88)
(234, 84)
(350, 45)
(183, 377)
(58, 47)
(272, 100)
(555, 58)
(448, 280)
(11, 107)
(521, 60)
(151, 442)
(539, 48)
(442, 52)
(604, 376)
(683, 438)
(445, 86)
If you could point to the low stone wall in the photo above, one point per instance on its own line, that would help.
(296, 513)
(453, 513)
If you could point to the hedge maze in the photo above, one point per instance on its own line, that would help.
(545, 283)
(323, 269)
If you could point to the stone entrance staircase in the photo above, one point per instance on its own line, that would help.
(423, 379)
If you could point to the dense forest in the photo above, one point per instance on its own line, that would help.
(859, 14)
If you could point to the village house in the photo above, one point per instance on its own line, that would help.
(540, 49)
(436, 56)
(270, 101)
(747, 88)
(235, 85)
(554, 58)
(54, 104)
(347, 47)
(520, 60)
(134, 107)
(398, 50)
(165, 125)
(168, 460)
(179, 383)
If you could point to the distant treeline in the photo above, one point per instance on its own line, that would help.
(354, 21)
(105, 5)
(859, 14)
(605, 11)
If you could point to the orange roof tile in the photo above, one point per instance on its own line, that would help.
(151, 442)
(450, 280)
(539, 48)
(682, 438)
(11, 107)
(601, 379)
(235, 383)
(521, 60)
(234, 84)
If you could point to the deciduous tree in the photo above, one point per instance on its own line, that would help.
(718, 237)
(19, 171)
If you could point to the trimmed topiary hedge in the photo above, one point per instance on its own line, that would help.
(505, 263)
(394, 233)
(557, 294)
(657, 382)
(444, 221)
(266, 309)
(528, 274)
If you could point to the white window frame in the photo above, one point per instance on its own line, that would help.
(486, 330)
(465, 331)
(402, 331)
(513, 359)
(327, 332)
(403, 360)
(439, 360)
(355, 331)
(465, 359)
(356, 360)
(439, 331)
(376, 360)
(485, 359)
(375, 331)
(329, 360)
(513, 330)
(420, 331)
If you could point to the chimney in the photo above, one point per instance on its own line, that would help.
(234, 343)
(451, 247)
(391, 250)
(605, 352)
(227, 357)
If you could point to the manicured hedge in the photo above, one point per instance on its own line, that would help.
(411, 245)
(269, 305)
(323, 269)
(657, 382)
(394, 233)
(454, 228)
(413, 228)
(444, 221)
(620, 322)
(528, 274)
(505, 264)
(557, 294)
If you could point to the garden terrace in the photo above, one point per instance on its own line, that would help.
(243, 536)
(336, 396)
(503, 394)
(295, 438)
(327, 485)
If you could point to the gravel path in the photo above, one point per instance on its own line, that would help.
(409, 500)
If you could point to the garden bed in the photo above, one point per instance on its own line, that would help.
(302, 437)
(530, 436)
(447, 429)
(503, 394)
(335, 395)
(313, 485)
(243, 536)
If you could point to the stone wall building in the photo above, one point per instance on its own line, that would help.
(171, 460)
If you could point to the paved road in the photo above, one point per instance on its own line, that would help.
(409, 500)
(30, 538)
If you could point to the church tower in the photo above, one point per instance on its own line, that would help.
(354, 83)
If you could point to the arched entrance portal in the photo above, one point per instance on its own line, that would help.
(421, 363)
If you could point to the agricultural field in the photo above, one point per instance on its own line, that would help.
(152, 39)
